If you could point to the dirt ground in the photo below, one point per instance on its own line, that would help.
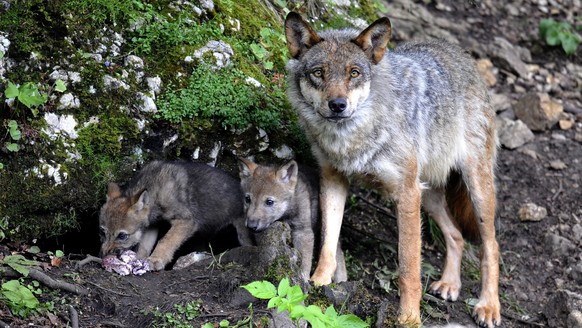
(531, 270)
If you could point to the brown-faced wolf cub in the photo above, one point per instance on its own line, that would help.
(290, 193)
(192, 197)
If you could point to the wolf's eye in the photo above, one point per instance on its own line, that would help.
(269, 202)
(318, 72)
(122, 236)
(248, 199)
(354, 73)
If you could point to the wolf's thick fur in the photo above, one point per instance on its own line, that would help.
(288, 193)
(192, 197)
(417, 122)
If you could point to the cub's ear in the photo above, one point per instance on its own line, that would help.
(113, 190)
(141, 201)
(300, 35)
(288, 173)
(374, 39)
(246, 167)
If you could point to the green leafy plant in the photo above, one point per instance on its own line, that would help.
(30, 96)
(556, 33)
(289, 298)
(182, 316)
(271, 47)
(19, 298)
(223, 95)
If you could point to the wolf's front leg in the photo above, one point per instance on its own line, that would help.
(148, 240)
(181, 230)
(303, 240)
(408, 198)
(332, 199)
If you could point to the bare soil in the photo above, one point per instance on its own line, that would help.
(530, 270)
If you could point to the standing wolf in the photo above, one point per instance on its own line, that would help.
(192, 197)
(416, 122)
(288, 193)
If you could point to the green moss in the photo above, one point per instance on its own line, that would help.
(279, 269)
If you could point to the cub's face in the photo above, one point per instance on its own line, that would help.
(122, 221)
(268, 192)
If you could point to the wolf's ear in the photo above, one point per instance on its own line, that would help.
(288, 173)
(374, 39)
(142, 201)
(113, 190)
(300, 36)
(246, 167)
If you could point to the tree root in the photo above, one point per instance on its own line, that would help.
(46, 280)
(88, 259)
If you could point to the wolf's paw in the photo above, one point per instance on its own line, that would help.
(487, 313)
(321, 279)
(156, 263)
(406, 320)
(447, 290)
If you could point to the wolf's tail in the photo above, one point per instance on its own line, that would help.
(461, 207)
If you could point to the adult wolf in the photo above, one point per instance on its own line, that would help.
(417, 122)
(192, 197)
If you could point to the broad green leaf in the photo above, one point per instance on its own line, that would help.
(30, 96)
(553, 36)
(1, 168)
(331, 312)
(34, 250)
(296, 312)
(261, 289)
(59, 253)
(12, 147)
(60, 86)
(14, 132)
(1, 54)
(207, 325)
(258, 50)
(12, 91)
(224, 323)
(544, 26)
(274, 302)
(265, 32)
(296, 295)
(350, 321)
(268, 65)
(570, 42)
(283, 287)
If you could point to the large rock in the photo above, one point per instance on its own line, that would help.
(538, 111)
(513, 134)
(508, 56)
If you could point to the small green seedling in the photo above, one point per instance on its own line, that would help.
(290, 298)
(559, 33)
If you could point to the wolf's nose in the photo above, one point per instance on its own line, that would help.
(337, 105)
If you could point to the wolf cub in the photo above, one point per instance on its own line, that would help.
(192, 197)
(289, 193)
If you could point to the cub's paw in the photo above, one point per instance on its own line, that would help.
(446, 290)
(487, 313)
(156, 263)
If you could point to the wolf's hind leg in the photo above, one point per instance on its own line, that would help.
(181, 230)
(449, 286)
(480, 183)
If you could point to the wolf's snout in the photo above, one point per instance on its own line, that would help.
(338, 105)
(255, 225)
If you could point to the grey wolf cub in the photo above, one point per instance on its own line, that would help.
(417, 122)
(190, 196)
(288, 192)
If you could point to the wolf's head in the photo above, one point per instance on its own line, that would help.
(122, 220)
(268, 192)
(334, 68)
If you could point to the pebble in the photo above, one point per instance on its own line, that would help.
(558, 164)
(531, 212)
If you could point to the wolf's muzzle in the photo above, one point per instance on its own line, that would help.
(337, 105)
